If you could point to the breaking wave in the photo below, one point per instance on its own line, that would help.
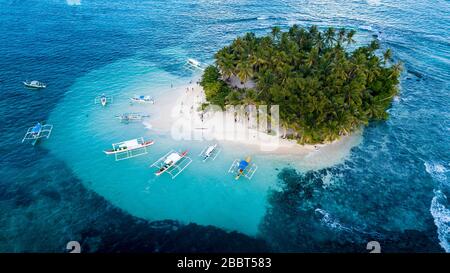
(437, 171)
(441, 215)
(329, 221)
(439, 204)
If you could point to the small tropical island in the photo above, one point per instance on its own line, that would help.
(325, 86)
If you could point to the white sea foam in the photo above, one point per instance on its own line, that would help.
(441, 216)
(327, 179)
(437, 171)
(374, 2)
(438, 209)
(369, 28)
(73, 2)
(147, 125)
(330, 221)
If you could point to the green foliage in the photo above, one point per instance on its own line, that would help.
(324, 90)
(216, 90)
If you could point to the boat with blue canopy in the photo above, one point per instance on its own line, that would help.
(38, 131)
(243, 168)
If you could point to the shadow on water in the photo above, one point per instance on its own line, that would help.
(53, 208)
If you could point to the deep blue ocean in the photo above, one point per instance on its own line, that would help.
(393, 187)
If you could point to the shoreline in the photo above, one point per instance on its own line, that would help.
(176, 112)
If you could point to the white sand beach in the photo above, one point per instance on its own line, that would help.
(178, 111)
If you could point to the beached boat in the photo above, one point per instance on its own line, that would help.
(103, 100)
(37, 132)
(142, 99)
(243, 168)
(172, 163)
(210, 152)
(34, 84)
(130, 148)
(130, 117)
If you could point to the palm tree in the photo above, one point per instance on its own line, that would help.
(349, 37)
(341, 36)
(225, 63)
(312, 56)
(323, 89)
(238, 46)
(329, 37)
(244, 71)
(257, 60)
(374, 45)
(396, 70)
(276, 30)
(387, 56)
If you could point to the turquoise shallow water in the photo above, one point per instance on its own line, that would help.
(393, 187)
(203, 194)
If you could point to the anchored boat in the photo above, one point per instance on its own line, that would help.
(34, 84)
(211, 151)
(172, 163)
(243, 168)
(37, 132)
(103, 100)
(130, 117)
(142, 99)
(130, 148)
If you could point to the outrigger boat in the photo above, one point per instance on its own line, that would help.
(243, 168)
(142, 99)
(130, 117)
(34, 84)
(211, 151)
(103, 100)
(172, 163)
(37, 132)
(130, 148)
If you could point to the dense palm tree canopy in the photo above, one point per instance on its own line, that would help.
(324, 86)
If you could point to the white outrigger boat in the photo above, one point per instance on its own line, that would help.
(34, 84)
(103, 100)
(208, 152)
(130, 117)
(243, 168)
(193, 64)
(130, 148)
(172, 163)
(142, 99)
(37, 132)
